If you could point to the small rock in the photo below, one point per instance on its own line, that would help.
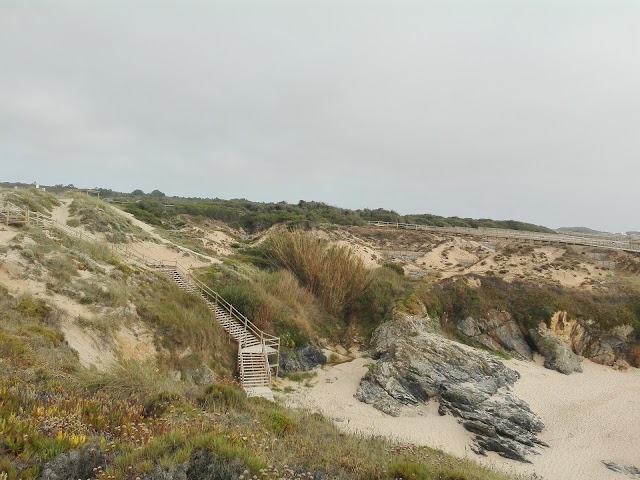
(621, 365)
(341, 350)
(185, 353)
(300, 359)
(75, 464)
(497, 330)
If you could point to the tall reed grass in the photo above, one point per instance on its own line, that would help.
(333, 273)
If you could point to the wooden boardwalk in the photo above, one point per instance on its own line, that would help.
(613, 242)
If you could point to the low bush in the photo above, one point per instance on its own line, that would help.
(98, 216)
(218, 397)
(279, 423)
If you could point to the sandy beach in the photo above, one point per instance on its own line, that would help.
(589, 417)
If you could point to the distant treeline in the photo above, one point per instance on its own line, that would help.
(158, 209)
(256, 216)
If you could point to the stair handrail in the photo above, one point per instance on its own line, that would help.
(266, 338)
(267, 365)
(148, 260)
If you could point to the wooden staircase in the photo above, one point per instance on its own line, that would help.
(258, 351)
(255, 348)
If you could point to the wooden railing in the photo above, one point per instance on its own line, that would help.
(614, 242)
(266, 340)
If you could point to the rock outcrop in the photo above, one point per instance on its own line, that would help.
(300, 359)
(416, 364)
(80, 463)
(557, 354)
(588, 340)
(497, 330)
(631, 472)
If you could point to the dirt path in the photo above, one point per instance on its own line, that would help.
(61, 212)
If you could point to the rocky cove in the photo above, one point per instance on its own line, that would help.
(562, 342)
(419, 387)
(414, 363)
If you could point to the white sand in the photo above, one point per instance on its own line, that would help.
(589, 417)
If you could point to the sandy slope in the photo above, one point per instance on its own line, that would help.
(164, 249)
(589, 417)
(422, 253)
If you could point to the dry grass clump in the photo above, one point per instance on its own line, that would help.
(333, 273)
(132, 378)
(285, 301)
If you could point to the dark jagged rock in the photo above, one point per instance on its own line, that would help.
(206, 465)
(74, 464)
(557, 353)
(300, 359)
(497, 331)
(202, 465)
(631, 472)
(173, 473)
(415, 364)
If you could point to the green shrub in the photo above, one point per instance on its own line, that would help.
(31, 307)
(61, 267)
(375, 305)
(300, 376)
(159, 403)
(223, 397)
(28, 254)
(394, 267)
(11, 347)
(131, 378)
(279, 423)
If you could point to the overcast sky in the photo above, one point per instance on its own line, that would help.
(515, 109)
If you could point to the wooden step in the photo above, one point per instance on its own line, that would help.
(253, 366)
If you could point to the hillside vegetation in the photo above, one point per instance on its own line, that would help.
(255, 216)
(156, 208)
(163, 403)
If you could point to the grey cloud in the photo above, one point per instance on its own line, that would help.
(524, 110)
